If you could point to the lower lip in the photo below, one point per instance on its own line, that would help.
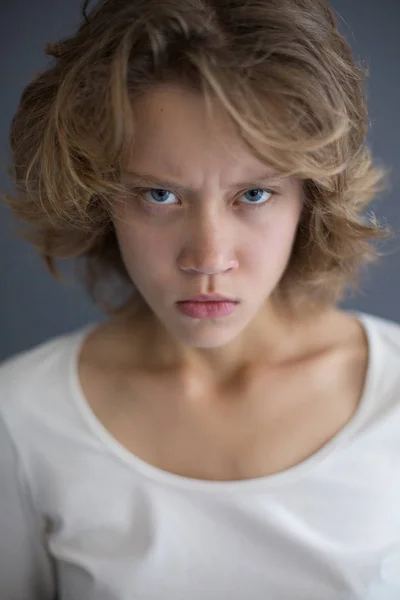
(206, 310)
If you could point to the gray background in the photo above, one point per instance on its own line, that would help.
(34, 307)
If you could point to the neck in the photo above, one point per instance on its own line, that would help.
(268, 339)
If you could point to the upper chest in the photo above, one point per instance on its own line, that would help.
(272, 421)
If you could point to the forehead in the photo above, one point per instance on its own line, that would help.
(176, 133)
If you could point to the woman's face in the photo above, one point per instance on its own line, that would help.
(202, 215)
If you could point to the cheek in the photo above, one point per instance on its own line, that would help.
(272, 246)
(147, 250)
(143, 249)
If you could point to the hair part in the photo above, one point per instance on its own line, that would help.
(281, 70)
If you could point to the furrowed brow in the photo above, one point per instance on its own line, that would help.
(146, 179)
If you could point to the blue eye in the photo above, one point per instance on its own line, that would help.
(155, 197)
(254, 196)
(159, 196)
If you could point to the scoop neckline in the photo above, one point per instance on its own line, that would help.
(157, 475)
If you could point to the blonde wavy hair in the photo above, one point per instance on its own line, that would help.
(288, 80)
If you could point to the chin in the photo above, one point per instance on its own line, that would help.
(207, 333)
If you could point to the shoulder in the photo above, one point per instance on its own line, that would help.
(38, 416)
(32, 375)
(384, 332)
(384, 359)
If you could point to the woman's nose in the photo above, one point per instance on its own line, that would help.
(208, 249)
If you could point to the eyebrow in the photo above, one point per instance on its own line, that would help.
(148, 179)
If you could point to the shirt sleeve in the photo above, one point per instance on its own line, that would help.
(26, 571)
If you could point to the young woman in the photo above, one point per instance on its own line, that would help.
(227, 433)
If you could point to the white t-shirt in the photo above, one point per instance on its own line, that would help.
(81, 515)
